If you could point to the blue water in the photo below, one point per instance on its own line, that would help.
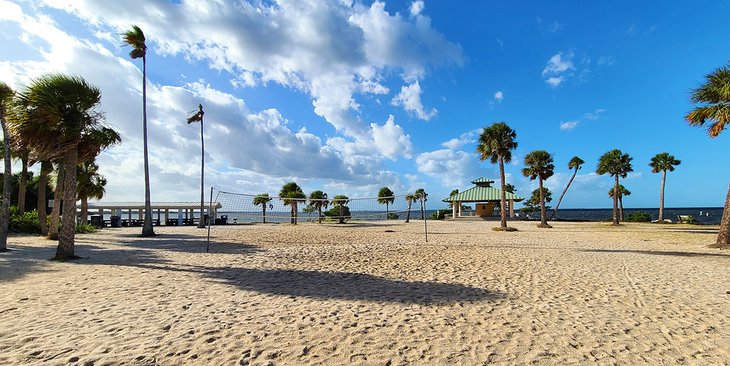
(703, 215)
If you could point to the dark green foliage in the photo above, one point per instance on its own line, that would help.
(85, 228)
(439, 214)
(26, 223)
(638, 216)
(339, 212)
(392, 216)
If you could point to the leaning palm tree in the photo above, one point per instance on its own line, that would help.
(618, 165)
(317, 201)
(291, 194)
(135, 38)
(661, 163)
(386, 197)
(496, 144)
(263, 199)
(410, 198)
(60, 108)
(91, 184)
(539, 165)
(713, 105)
(622, 191)
(574, 163)
(6, 95)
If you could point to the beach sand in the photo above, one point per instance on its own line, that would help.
(371, 294)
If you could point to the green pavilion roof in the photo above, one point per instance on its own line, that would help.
(481, 193)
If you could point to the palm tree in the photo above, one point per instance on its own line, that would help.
(622, 191)
(496, 144)
(539, 164)
(713, 98)
(318, 200)
(509, 188)
(410, 198)
(291, 194)
(340, 201)
(263, 200)
(421, 196)
(574, 163)
(618, 165)
(60, 108)
(135, 38)
(661, 163)
(386, 197)
(6, 95)
(90, 185)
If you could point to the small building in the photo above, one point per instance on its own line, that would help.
(484, 196)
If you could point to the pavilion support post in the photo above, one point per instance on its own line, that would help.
(512, 209)
(129, 215)
(453, 209)
(140, 214)
(459, 208)
(167, 215)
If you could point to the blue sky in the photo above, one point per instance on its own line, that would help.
(349, 96)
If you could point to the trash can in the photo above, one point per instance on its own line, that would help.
(115, 221)
(97, 221)
(223, 220)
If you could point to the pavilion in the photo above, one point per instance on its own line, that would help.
(484, 196)
(184, 212)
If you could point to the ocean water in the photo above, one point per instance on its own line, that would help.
(703, 215)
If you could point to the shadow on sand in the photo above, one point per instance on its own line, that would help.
(657, 252)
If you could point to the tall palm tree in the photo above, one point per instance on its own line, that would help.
(263, 199)
(386, 197)
(713, 105)
(622, 191)
(618, 165)
(496, 144)
(135, 38)
(410, 198)
(91, 184)
(60, 109)
(574, 163)
(318, 200)
(291, 194)
(422, 197)
(661, 163)
(6, 95)
(539, 165)
(341, 201)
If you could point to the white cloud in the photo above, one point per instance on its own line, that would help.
(559, 67)
(499, 96)
(595, 114)
(390, 139)
(555, 81)
(417, 7)
(568, 125)
(464, 138)
(452, 167)
(410, 99)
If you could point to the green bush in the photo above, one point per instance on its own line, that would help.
(340, 213)
(85, 228)
(638, 216)
(392, 216)
(25, 223)
(439, 214)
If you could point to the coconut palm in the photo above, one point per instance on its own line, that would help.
(410, 198)
(6, 95)
(90, 185)
(539, 165)
(263, 200)
(713, 105)
(574, 163)
(661, 163)
(618, 165)
(59, 109)
(622, 191)
(318, 200)
(386, 197)
(291, 194)
(496, 144)
(135, 38)
(341, 201)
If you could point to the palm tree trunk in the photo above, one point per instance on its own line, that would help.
(621, 208)
(503, 195)
(22, 185)
(84, 210)
(387, 213)
(147, 229)
(615, 202)
(555, 211)
(319, 213)
(46, 168)
(7, 174)
(723, 238)
(263, 208)
(65, 249)
(543, 214)
(56, 211)
(294, 212)
(408, 215)
(661, 198)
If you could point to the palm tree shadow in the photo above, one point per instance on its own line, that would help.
(657, 252)
(348, 286)
(179, 243)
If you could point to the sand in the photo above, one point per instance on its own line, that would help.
(371, 294)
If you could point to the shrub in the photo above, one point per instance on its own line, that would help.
(638, 216)
(438, 214)
(336, 212)
(392, 216)
(25, 223)
(85, 228)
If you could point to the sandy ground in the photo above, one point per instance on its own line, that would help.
(371, 294)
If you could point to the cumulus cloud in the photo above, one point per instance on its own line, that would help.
(417, 7)
(410, 99)
(499, 96)
(464, 138)
(558, 68)
(452, 167)
(568, 125)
